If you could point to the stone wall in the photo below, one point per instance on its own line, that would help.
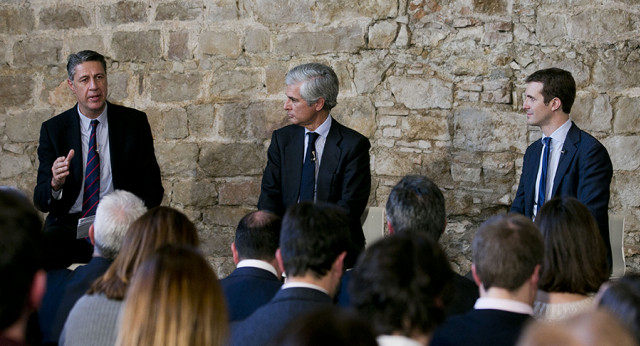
(435, 84)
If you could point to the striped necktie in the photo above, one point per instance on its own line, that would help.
(91, 195)
(308, 181)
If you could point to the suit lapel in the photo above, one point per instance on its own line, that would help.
(75, 143)
(533, 163)
(569, 150)
(292, 165)
(116, 142)
(329, 161)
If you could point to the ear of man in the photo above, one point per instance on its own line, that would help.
(234, 251)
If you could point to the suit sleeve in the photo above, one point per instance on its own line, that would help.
(152, 180)
(518, 202)
(271, 188)
(595, 171)
(356, 184)
(46, 156)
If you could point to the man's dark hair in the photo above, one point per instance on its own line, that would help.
(258, 235)
(83, 56)
(20, 250)
(417, 204)
(506, 250)
(400, 284)
(622, 299)
(556, 83)
(313, 235)
(575, 260)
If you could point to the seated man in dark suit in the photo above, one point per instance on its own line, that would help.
(417, 204)
(115, 213)
(23, 282)
(507, 254)
(256, 278)
(313, 245)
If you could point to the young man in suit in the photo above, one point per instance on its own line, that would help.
(566, 161)
(507, 254)
(313, 259)
(87, 152)
(333, 167)
(256, 278)
(115, 213)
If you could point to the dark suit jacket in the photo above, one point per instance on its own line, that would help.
(133, 161)
(64, 288)
(465, 294)
(265, 323)
(584, 172)
(247, 289)
(344, 177)
(481, 327)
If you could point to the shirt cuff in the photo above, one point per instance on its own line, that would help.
(57, 195)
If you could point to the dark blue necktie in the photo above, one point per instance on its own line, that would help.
(542, 188)
(91, 195)
(308, 181)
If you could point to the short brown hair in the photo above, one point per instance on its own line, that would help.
(556, 83)
(575, 259)
(506, 250)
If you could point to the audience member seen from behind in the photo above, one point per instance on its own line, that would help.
(575, 262)
(93, 320)
(24, 281)
(330, 325)
(416, 204)
(313, 244)
(115, 213)
(398, 284)
(174, 299)
(592, 328)
(256, 278)
(507, 253)
(622, 299)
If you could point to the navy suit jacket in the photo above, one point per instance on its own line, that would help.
(584, 172)
(344, 176)
(265, 323)
(247, 289)
(481, 327)
(64, 288)
(133, 162)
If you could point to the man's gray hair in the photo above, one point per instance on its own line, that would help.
(83, 56)
(318, 81)
(115, 213)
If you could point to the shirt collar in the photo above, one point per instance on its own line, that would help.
(504, 305)
(85, 122)
(257, 264)
(304, 285)
(560, 134)
(323, 129)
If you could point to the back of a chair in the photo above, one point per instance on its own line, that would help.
(373, 222)
(616, 236)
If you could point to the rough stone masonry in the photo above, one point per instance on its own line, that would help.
(435, 84)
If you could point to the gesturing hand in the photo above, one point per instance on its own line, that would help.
(60, 170)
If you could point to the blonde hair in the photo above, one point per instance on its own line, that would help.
(174, 299)
(157, 227)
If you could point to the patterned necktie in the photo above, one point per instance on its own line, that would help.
(91, 195)
(308, 181)
(542, 187)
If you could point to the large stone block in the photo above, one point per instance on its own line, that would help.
(487, 130)
(551, 28)
(118, 84)
(341, 39)
(236, 83)
(330, 11)
(419, 93)
(491, 6)
(196, 193)
(382, 34)
(215, 240)
(257, 41)
(274, 76)
(201, 120)
(16, 20)
(175, 123)
(613, 74)
(12, 165)
(397, 163)
(626, 184)
(220, 10)
(142, 46)
(430, 126)
(37, 52)
(369, 71)
(167, 87)
(64, 18)
(253, 121)
(179, 10)
(83, 42)
(624, 152)
(225, 43)
(179, 159)
(598, 24)
(242, 192)
(124, 12)
(498, 170)
(15, 90)
(225, 216)
(357, 113)
(626, 120)
(25, 126)
(179, 46)
(231, 160)
(280, 11)
(592, 112)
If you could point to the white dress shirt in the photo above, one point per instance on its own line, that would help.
(323, 132)
(504, 305)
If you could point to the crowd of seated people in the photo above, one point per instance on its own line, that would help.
(536, 283)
